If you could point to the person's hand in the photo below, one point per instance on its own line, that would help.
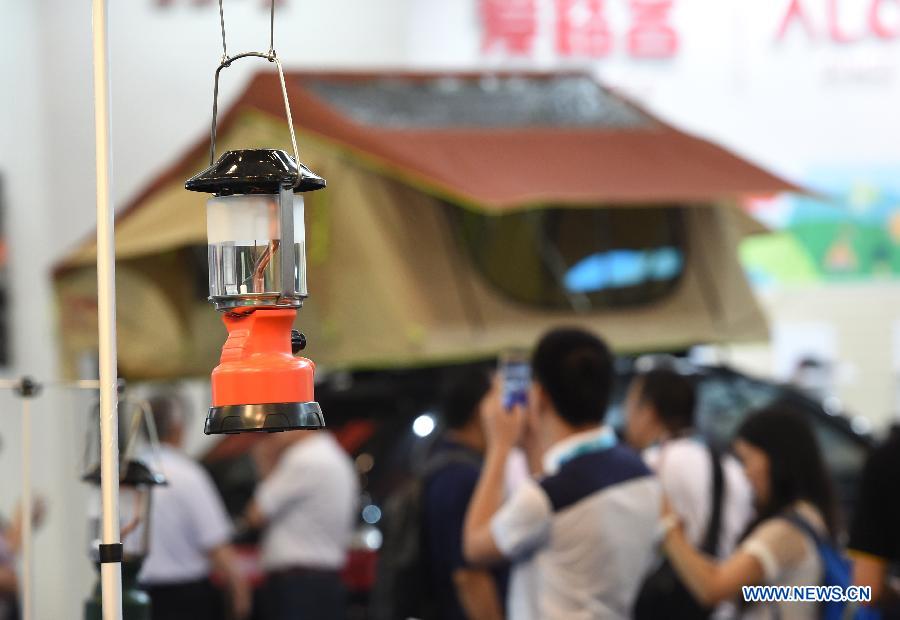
(9, 582)
(242, 601)
(38, 512)
(226, 564)
(670, 522)
(532, 441)
(666, 508)
(502, 427)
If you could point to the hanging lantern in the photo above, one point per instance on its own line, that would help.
(136, 482)
(257, 280)
(135, 486)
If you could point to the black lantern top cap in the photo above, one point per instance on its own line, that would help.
(254, 171)
(133, 473)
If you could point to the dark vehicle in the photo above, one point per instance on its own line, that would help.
(726, 396)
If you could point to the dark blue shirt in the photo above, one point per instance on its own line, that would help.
(447, 493)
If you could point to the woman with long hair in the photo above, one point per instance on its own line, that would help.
(792, 490)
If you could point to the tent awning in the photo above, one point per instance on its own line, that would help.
(621, 153)
(390, 283)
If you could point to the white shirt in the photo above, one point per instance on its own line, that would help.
(187, 521)
(583, 537)
(684, 468)
(788, 557)
(310, 503)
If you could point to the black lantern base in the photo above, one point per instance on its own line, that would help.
(264, 418)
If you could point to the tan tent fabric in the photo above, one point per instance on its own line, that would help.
(389, 283)
(414, 270)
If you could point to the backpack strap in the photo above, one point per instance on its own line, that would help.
(710, 544)
(795, 518)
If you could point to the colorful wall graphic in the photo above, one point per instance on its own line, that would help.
(847, 229)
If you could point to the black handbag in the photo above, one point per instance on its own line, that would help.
(663, 595)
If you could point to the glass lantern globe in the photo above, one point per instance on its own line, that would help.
(248, 252)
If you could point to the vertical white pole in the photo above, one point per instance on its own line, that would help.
(27, 570)
(110, 572)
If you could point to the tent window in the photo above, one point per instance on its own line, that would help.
(579, 259)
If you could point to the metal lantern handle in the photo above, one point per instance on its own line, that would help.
(142, 413)
(226, 62)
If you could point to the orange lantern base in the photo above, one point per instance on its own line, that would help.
(259, 385)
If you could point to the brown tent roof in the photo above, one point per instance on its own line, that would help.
(534, 155)
(391, 283)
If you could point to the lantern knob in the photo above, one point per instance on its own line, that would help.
(298, 341)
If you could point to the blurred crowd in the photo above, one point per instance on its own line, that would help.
(655, 524)
(530, 507)
(538, 509)
(305, 505)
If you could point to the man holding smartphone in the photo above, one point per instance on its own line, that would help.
(460, 591)
(582, 534)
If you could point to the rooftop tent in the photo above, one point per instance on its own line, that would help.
(464, 214)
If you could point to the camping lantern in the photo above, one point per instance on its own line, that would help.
(257, 279)
(135, 484)
(136, 481)
(135, 492)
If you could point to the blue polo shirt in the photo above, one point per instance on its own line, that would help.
(447, 493)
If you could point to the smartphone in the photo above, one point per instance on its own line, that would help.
(515, 373)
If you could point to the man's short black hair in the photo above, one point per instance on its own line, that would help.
(463, 391)
(673, 395)
(575, 368)
(169, 412)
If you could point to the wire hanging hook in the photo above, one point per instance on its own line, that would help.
(271, 56)
(272, 29)
(222, 21)
(226, 59)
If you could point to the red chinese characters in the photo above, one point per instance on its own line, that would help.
(880, 24)
(651, 34)
(582, 28)
(509, 26)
